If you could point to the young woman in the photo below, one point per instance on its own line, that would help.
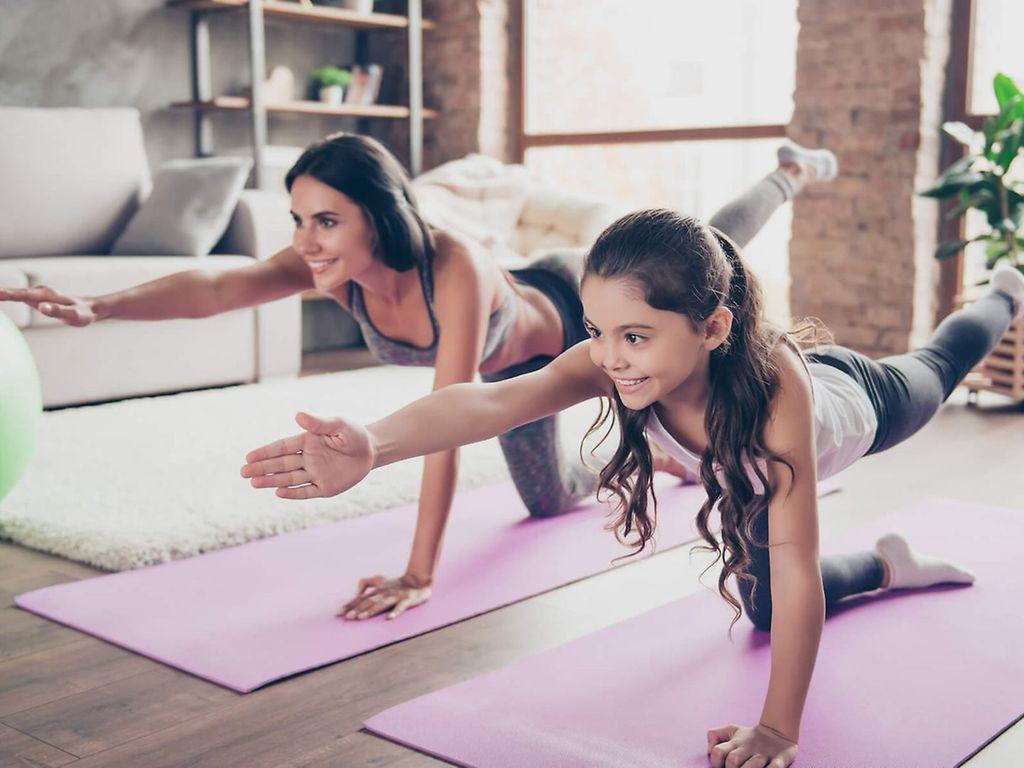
(422, 296)
(679, 347)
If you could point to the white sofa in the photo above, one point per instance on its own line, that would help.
(71, 180)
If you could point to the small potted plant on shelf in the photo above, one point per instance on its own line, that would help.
(330, 82)
(982, 181)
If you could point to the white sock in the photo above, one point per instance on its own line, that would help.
(824, 163)
(910, 570)
(1010, 281)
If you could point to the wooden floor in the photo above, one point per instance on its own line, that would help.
(66, 698)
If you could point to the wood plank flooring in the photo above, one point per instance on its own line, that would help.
(69, 699)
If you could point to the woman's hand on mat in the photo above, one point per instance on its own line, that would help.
(734, 746)
(662, 462)
(68, 309)
(328, 458)
(378, 594)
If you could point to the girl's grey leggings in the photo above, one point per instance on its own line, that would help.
(905, 392)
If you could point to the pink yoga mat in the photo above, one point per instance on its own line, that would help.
(246, 616)
(910, 680)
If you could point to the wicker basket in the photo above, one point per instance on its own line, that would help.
(1003, 370)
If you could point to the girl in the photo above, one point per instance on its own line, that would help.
(679, 347)
(422, 297)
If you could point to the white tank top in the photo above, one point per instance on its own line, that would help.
(844, 425)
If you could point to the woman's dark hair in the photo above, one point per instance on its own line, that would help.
(680, 265)
(363, 170)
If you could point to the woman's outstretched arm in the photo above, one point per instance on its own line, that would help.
(192, 293)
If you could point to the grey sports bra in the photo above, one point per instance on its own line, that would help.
(396, 352)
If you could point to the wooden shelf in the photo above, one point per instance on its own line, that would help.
(293, 11)
(236, 103)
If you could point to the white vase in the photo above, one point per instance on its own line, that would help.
(359, 6)
(332, 94)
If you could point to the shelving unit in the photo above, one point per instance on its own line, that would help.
(204, 103)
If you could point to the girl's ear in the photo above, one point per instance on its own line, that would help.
(716, 328)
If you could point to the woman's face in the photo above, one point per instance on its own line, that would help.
(649, 354)
(332, 233)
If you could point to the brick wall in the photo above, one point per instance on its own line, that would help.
(869, 85)
(469, 60)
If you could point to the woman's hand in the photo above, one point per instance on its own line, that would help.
(328, 458)
(734, 746)
(68, 309)
(378, 594)
(662, 462)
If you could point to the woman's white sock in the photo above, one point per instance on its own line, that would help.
(824, 163)
(1010, 281)
(910, 570)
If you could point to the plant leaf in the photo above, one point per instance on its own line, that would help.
(1005, 90)
(951, 248)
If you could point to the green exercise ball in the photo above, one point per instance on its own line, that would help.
(21, 403)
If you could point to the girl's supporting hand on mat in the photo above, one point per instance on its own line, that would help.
(328, 458)
(734, 746)
(68, 309)
(378, 594)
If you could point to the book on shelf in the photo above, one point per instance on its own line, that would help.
(364, 88)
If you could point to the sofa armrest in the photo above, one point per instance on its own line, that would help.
(260, 227)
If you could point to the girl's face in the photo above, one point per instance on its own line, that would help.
(332, 233)
(650, 354)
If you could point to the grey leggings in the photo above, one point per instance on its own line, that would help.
(548, 482)
(905, 392)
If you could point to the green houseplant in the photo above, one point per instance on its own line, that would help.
(984, 180)
(331, 81)
(981, 179)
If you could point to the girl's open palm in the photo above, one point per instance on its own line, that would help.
(328, 458)
(68, 309)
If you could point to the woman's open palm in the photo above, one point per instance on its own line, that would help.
(68, 309)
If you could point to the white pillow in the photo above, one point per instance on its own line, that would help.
(188, 210)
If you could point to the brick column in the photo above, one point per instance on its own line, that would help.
(468, 76)
(869, 85)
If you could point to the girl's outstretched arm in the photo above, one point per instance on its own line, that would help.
(332, 455)
(798, 598)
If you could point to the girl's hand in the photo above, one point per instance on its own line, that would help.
(378, 594)
(734, 746)
(662, 462)
(68, 309)
(328, 458)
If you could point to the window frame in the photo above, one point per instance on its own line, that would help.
(526, 140)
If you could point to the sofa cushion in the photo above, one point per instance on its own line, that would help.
(71, 178)
(554, 218)
(95, 275)
(476, 196)
(189, 208)
(19, 313)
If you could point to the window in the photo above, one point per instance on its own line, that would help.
(985, 41)
(663, 103)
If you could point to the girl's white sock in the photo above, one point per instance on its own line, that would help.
(822, 161)
(1010, 281)
(910, 570)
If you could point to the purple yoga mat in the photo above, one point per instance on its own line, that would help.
(908, 680)
(246, 616)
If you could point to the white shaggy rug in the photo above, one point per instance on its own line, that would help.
(143, 481)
